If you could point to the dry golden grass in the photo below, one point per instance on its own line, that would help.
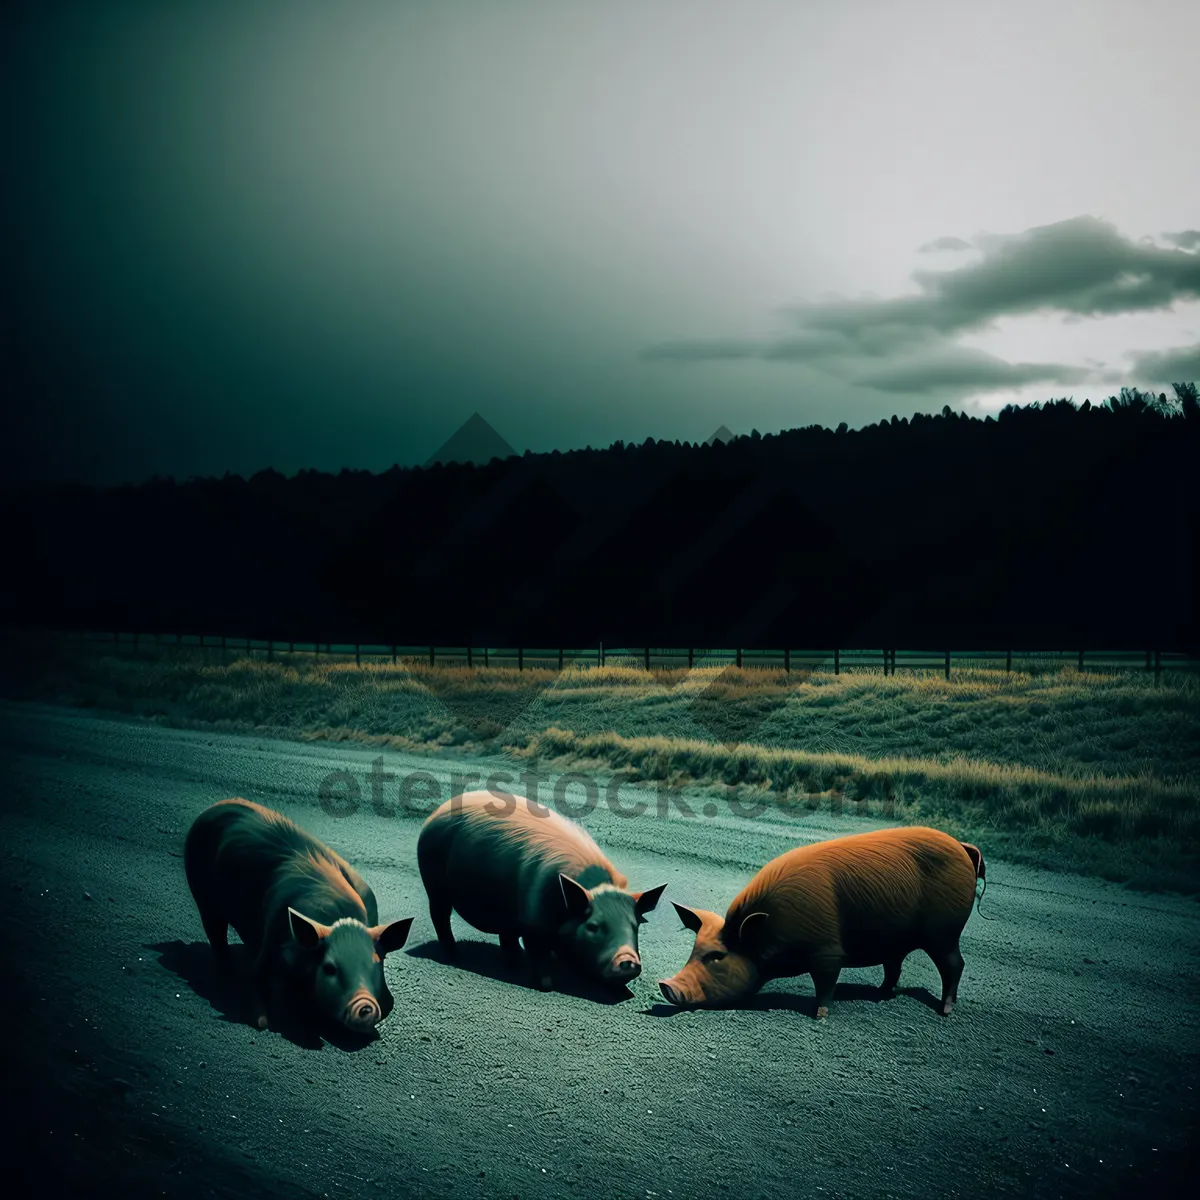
(1083, 770)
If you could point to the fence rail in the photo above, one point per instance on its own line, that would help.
(649, 657)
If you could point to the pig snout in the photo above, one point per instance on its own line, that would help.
(362, 1013)
(625, 965)
(671, 995)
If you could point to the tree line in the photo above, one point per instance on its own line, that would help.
(1044, 526)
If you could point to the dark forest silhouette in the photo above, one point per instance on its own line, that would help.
(1049, 525)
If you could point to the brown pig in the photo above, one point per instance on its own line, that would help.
(307, 916)
(520, 870)
(860, 901)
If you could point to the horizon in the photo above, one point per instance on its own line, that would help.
(330, 239)
(445, 456)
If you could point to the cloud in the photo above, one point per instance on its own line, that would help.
(1189, 239)
(944, 243)
(959, 369)
(1079, 268)
(1181, 364)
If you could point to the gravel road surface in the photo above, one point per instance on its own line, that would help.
(1067, 1068)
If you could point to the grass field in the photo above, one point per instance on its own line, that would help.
(1077, 771)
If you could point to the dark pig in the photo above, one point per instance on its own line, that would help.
(860, 901)
(307, 916)
(522, 871)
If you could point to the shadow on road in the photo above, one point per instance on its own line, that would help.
(489, 961)
(231, 995)
(807, 1004)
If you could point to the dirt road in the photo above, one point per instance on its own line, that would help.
(1067, 1069)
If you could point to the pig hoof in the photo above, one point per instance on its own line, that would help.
(822, 1013)
(261, 1023)
(947, 1005)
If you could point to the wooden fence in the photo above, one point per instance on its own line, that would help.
(648, 658)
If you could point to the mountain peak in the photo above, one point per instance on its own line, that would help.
(722, 435)
(475, 441)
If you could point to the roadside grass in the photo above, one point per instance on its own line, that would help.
(1087, 772)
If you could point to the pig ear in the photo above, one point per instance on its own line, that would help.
(576, 897)
(308, 933)
(691, 919)
(391, 937)
(644, 902)
(752, 928)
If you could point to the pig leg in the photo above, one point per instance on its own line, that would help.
(824, 981)
(264, 975)
(510, 943)
(216, 929)
(439, 914)
(891, 977)
(539, 949)
(950, 967)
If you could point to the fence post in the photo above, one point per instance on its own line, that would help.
(485, 656)
(357, 656)
(270, 650)
(787, 660)
(393, 654)
(947, 664)
(836, 663)
(1008, 661)
(222, 643)
(469, 660)
(560, 658)
(602, 654)
(739, 656)
(431, 656)
(691, 658)
(1148, 660)
(291, 647)
(520, 658)
(1081, 660)
(647, 649)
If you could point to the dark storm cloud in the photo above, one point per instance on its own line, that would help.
(962, 369)
(1180, 364)
(944, 243)
(1189, 239)
(1078, 268)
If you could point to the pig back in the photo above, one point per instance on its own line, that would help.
(249, 864)
(862, 898)
(497, 860)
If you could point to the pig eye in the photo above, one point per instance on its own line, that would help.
(592, 927)
(329, 968)
(713, 956)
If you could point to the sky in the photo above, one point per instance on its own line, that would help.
(240, 235)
